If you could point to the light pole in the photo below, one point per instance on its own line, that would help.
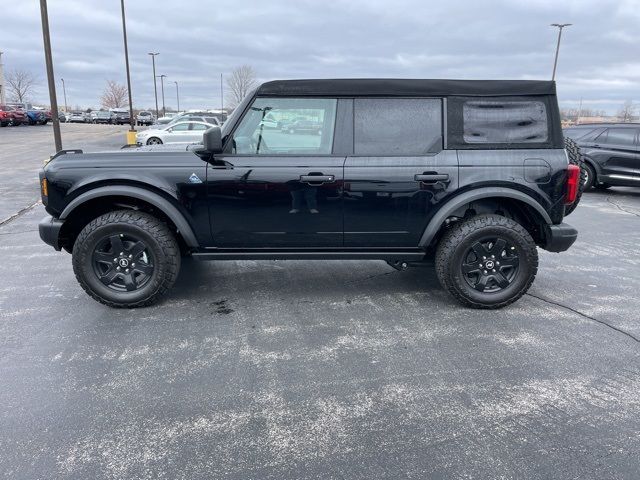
(131, 138)
(164, 111)
(44, 15)
(177, 95)
(555, 61)
(64, 91)
(155, 84)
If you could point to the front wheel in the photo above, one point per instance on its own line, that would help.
(487, 261)
(154, 141)
(126, 259)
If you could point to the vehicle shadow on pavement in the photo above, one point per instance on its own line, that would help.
(333, 278)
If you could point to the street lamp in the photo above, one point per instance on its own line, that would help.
(44, 15)
(131, 138)
(164, 111)
(155, 84)
(177, 95)
(555, 61)
(64, 91)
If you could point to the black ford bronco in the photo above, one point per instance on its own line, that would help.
(468, 175)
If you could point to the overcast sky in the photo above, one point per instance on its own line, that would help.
(200, 39)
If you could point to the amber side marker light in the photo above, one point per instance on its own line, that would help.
(573, 180)
(44, 187)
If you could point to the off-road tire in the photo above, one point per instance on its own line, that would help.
(459, 239)
(575, 158)
(156, 235)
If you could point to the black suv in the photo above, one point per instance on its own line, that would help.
(611, 153)
(468, 175)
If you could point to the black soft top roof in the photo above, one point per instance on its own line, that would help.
(397, 87)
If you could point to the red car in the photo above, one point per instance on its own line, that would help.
(19, 117)
(6, 115)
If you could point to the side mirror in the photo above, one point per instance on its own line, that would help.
(212, 140)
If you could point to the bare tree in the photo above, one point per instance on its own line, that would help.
(21, 84)
(626, 113)
(239, 83)
(115, 95)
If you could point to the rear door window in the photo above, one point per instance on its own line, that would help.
(618, 136)
(397, 126)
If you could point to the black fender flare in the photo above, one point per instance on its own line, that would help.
(161, 203)
(487, 192)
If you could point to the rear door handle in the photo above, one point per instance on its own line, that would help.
(317, 178)
(431, 177)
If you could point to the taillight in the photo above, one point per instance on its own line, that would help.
(573, 180)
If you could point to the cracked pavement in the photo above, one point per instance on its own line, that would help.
(325, 369)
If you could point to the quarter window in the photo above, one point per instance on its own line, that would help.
(498, 121)
(296, 126)
(397, 126)
(618, 136)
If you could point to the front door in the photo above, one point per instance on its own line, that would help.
(398, 171)
(274, 188)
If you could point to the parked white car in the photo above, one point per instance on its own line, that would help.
(182, 132)
(78, 116)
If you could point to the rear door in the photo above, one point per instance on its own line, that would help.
(398, 171)
(179, 133)
(616, 150)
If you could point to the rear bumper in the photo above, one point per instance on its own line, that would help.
(49, 229)
(560, 237)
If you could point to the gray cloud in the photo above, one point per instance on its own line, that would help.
(199, 39)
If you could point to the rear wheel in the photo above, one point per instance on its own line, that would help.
(589, 177)
(126, 258)
(487, 261)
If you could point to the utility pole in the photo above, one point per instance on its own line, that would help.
(177, 95)
(164, 111)
(2, 87)
(155, 83)
(50, 78)
(64, 91)
(131, 139)
(555, 61)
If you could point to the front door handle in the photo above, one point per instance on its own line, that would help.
(431, 177)
(311, 179)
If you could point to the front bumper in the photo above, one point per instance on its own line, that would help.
(560, 237)
(49, 229)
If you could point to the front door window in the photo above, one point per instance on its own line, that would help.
(286, 126)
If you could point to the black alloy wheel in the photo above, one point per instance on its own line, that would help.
(490, 265)
(123, 262)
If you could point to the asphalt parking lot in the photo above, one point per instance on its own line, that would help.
(328, 369)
